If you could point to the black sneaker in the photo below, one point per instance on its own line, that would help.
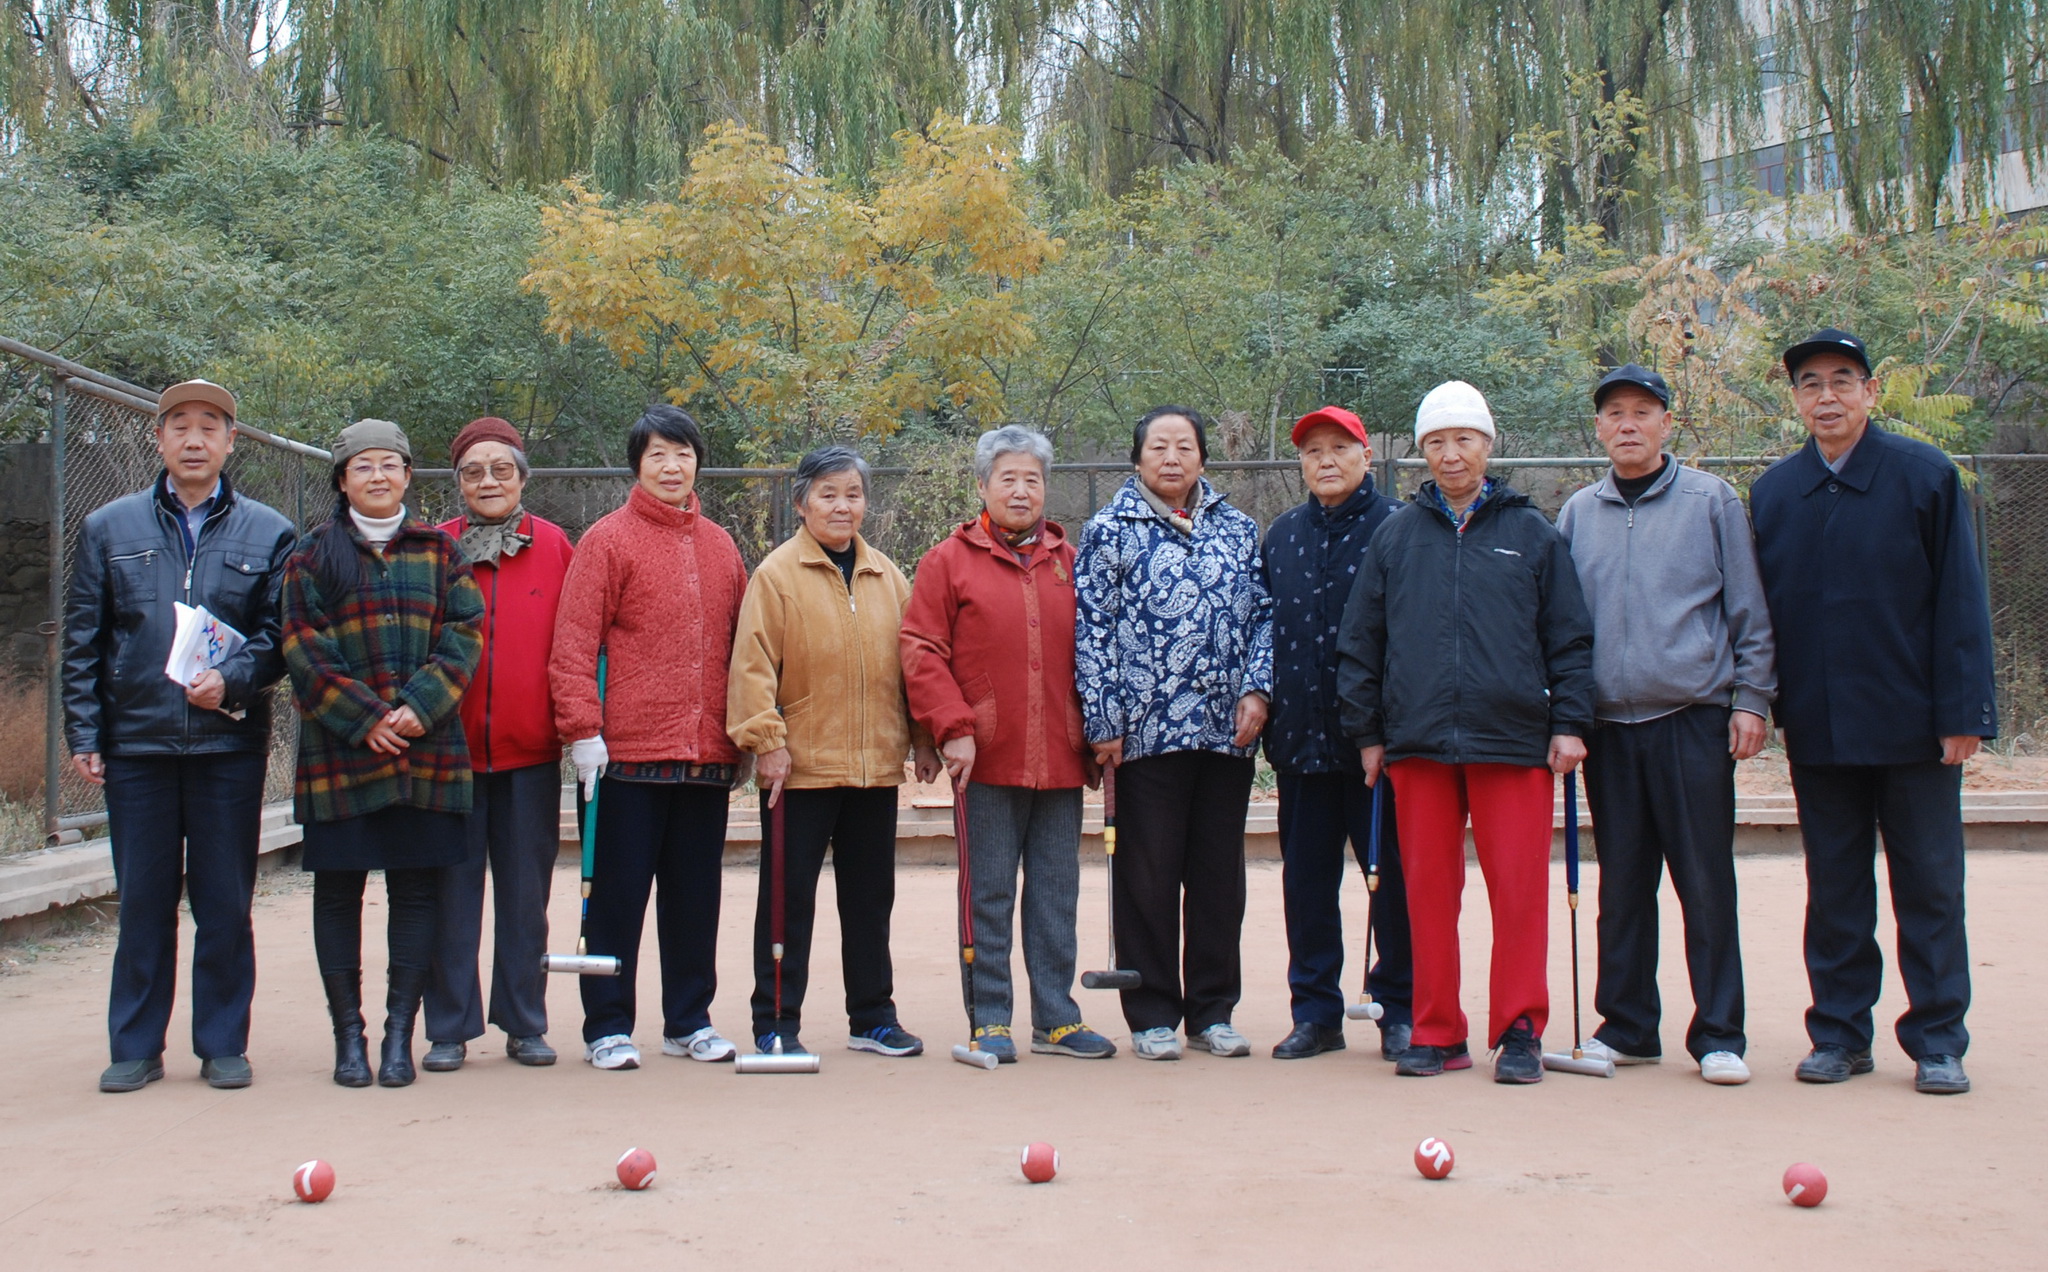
(1519, 1059)
(1425, 1061)
(1308, 1039)
(533, 1050)
(1940, 1075)
(132, 1075)
(791, 1045)
(1394, 1040)
(1830, 1063)
(888, 1040)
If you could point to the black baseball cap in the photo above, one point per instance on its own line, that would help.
(1826, 340)
(1641, 377)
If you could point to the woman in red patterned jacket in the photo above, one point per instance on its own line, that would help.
(380, 636)
(656, 586)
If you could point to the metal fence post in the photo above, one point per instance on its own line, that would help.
(53, 658)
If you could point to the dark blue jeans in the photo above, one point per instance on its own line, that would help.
(515, 828)
(1918, 809)
(1319, 812)
(184, 823)
(668, 837)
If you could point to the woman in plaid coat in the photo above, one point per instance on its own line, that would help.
(380, 635)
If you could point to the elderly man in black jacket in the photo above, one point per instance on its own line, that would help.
(182, 763)
(1884, 669)
(1310, 558)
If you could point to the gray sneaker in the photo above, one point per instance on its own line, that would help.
(1155, 1044)
(1221, 1040)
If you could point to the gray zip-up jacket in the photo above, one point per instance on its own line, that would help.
(1678, 605)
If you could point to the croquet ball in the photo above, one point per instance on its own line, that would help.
(1805, 1185)
(313, 1181)
(1040, 1161)
(1434, 1158)
(636, 1169)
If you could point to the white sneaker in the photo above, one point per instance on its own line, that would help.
(703, 1045)
(1155, 1044)
(1222, 1040)
(1723, 1068)
(1598, 1050)
(613, 1051)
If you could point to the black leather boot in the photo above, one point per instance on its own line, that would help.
(345, 1009)
(401, 1008)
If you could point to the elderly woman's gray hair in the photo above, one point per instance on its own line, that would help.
(823, 462)
(519, 461)
(1011, 439)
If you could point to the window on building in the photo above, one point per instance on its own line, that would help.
(1767, 170)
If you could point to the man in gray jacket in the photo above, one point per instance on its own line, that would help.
(1683, 661)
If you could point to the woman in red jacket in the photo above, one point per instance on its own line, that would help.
(514, 825)
(657, 586)
(988, 664)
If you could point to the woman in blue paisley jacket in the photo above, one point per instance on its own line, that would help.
(1174, 661)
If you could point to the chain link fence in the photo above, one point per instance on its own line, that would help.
(99, 445)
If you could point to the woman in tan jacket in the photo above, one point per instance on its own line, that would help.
(816, 692)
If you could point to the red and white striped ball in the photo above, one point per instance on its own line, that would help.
(1805, 1185)
(1040, 1162)
(313, 1181)
(636, 1169)
(1434, 1158)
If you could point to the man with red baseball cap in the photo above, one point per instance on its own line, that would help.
(1310, 558)
(182, 763)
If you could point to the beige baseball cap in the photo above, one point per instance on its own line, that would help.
(195, 391)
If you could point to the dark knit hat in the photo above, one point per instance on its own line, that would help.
(488, 429)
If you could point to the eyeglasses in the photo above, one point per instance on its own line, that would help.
(389, 468)
(1840, 385)
(471, 474)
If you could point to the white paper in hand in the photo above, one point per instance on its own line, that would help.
(201, 643)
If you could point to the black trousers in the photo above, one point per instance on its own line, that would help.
(411, 899)
(183, 825)
(1918, 809)
(515, 829)
(1663, 794)
(1180, 858)
(668, 837)
(859, 824)
(1318, 813)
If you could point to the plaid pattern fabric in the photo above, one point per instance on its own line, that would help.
(408, 637)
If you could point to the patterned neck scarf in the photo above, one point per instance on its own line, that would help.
(1015, 540)
(1461, 519)
(483, 542)
(1181, 519)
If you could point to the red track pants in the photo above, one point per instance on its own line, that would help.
(1510, 808)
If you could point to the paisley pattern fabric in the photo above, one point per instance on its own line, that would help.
(1174, 626)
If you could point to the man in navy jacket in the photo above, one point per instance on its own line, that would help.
(1311, 558)
(1884, 666)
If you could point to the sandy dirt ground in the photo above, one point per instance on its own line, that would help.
(881, 1163)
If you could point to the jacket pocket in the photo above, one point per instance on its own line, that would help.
(134, 575)
(231, 591)
(981, 698)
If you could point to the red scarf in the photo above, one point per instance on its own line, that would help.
(1017, 541)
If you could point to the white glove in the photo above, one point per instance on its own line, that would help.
(589, 756)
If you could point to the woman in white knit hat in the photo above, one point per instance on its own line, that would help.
(1466, 673)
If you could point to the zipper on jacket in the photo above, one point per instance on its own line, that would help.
(1628, 573)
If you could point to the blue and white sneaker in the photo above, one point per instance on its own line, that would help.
(1156, 1044)
(704, 1045)
(791, 1045)
(1221, 1040)
(996, 1040)
(888, 1040)
(613, 1051)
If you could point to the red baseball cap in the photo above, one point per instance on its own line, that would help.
(1331, 415)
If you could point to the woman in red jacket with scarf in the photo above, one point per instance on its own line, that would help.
(988, 664)
(514, 824)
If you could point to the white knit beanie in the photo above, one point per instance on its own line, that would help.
(1452, 404)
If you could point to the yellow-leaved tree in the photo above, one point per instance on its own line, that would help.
(790, 310)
